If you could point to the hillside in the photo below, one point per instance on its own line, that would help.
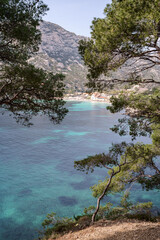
(116, 230)
(59, 53)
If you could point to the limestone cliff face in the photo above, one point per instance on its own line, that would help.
(59, 53)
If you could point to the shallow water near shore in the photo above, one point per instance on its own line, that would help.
(37, 167)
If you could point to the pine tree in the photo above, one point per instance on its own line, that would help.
(24, 89)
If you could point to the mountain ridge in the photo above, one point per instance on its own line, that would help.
(58, 53)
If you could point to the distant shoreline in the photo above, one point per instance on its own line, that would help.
(85, 97)
(85, 100)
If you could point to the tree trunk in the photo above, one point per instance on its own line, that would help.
(101, 196)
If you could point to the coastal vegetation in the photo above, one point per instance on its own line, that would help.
(127, 37)
(26, 90)
(128, 34)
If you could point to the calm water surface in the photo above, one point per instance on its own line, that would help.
(37, 172)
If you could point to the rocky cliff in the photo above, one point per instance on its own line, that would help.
(59, 53)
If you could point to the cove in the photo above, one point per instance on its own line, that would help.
(37, 172)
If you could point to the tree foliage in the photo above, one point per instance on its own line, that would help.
(145, 112)
(128, 33)
(128, 163)
(18, 27)
(126, 208)
(24, 89)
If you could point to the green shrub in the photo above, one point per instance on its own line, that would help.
(53, 225)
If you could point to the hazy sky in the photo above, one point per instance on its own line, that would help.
(75, 15)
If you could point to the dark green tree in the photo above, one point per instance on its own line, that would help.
(129, 163)
(128, 35)
(24, 89)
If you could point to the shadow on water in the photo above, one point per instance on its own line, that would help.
(25, 192)
(81, 185)
(67, 201)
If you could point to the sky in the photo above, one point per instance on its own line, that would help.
(75, 15)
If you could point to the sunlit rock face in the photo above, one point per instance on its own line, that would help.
(58, 53)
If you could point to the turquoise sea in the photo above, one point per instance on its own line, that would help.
(37, 172)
